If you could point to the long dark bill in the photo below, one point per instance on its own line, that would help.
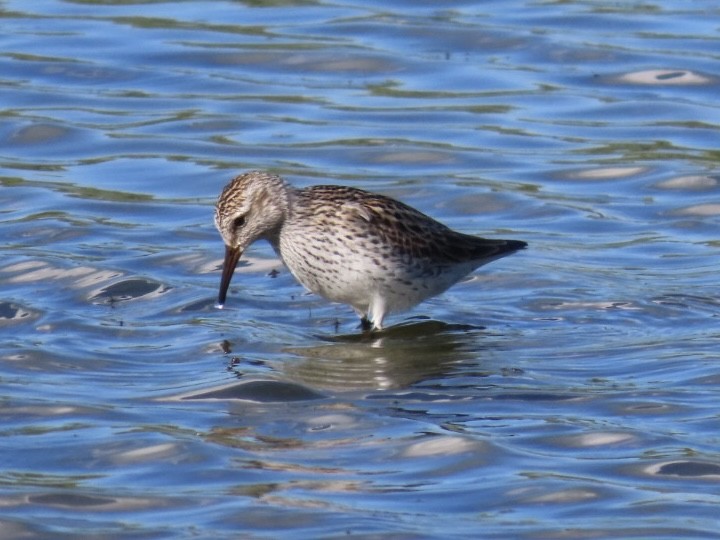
(232, 256)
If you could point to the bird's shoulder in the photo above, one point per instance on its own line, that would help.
(398, 226)
(376, 212)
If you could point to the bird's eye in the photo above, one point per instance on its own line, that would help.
(238, 222)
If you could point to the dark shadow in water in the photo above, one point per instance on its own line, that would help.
(70, 499)
(129, 289)
(12, 313)
(267, 391)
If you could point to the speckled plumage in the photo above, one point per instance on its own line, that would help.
(369, 251)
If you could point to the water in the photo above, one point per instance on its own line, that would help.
(568, 391)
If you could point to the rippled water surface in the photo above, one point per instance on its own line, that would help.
(568, 391)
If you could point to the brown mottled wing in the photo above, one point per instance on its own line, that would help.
(409, 231)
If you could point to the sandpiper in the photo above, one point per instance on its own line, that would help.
(369, 251)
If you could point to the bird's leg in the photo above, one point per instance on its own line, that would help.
(365, 324)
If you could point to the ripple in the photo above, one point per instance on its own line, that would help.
(603, 173)
(699, 210)
(39, 134)
(407, 156)
(441, 446)
(563, 496)
(202, 305)
(89, 502)
(598, 439)
(73, 499)
(146, 453)
(668, 77)
(685, 469)
(259, 391)
(289, 61)
(690, 182)
(648, 408)
(33, 271)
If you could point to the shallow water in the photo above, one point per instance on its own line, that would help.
(569, 391)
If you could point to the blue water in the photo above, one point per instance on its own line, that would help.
(568, 391)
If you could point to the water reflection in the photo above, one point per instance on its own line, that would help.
(395, 358)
